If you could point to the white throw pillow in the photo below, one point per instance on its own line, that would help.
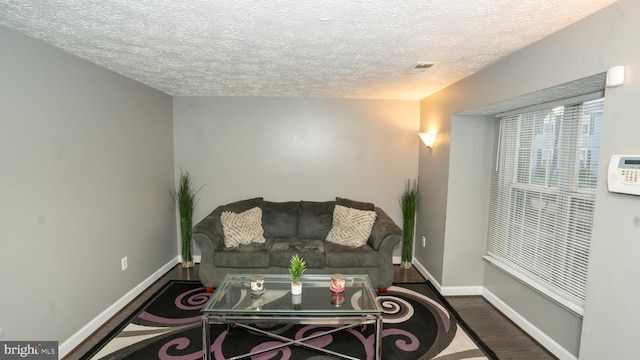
(351, 227)
(242, 229)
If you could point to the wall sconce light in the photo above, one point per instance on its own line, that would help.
(428, 138)
(615, 76)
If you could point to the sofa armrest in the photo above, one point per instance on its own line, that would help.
(385, 237)
(383, 227)
(208, 233)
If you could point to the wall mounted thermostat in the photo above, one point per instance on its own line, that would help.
(624, 174)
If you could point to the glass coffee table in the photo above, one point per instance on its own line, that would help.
(234, 304)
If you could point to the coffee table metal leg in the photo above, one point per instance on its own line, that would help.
(378, 337)
(206, 338)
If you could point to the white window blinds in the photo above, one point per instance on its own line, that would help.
(543, 195)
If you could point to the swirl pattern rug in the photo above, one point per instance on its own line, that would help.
(418, 324)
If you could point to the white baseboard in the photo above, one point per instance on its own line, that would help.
(396, 259)
(544, 340)
(447, 290)
(427, 275)
(93, 325)
(461, 290)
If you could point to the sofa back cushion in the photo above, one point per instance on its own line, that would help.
(280, 219)
(355, 204)
(315, 219)
(243, 205)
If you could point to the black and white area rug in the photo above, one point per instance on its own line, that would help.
(418, 324)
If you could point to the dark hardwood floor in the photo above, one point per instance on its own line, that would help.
(498, 332)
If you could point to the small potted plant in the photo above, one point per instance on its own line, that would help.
(297, 268)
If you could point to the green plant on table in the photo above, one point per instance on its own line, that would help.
(297, 268)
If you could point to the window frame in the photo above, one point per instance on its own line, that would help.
(569, 194)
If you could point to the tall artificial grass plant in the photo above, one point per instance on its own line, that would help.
(186, 199)
(409, 204)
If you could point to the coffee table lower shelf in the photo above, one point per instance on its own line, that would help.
(347, 322)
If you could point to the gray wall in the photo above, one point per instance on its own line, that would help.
(296, 149)
(87, 165)
(605, 39)
(469, 179)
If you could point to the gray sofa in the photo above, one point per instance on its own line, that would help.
(299, 227)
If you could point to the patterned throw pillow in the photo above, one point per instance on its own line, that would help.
(351, 227)
(242, 229)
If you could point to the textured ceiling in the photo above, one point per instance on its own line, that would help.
(329, 48)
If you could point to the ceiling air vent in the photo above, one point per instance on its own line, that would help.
(420, 67)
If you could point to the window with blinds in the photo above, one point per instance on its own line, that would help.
(543, 195)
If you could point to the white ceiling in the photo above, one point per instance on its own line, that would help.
(329, 48)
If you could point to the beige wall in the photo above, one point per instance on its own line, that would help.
(297, 149)
(591, 46)
(87, 165)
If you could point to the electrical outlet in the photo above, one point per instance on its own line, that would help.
(424, 241)
(124, 263)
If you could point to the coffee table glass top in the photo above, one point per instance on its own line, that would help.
(234, 296)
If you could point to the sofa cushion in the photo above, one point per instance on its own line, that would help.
(243, 205)
(355, 204)
(339, 256)
(244, 256)
(351, 227)
(280, 220)
(242, 229)
(315, 219)
(311, 251)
